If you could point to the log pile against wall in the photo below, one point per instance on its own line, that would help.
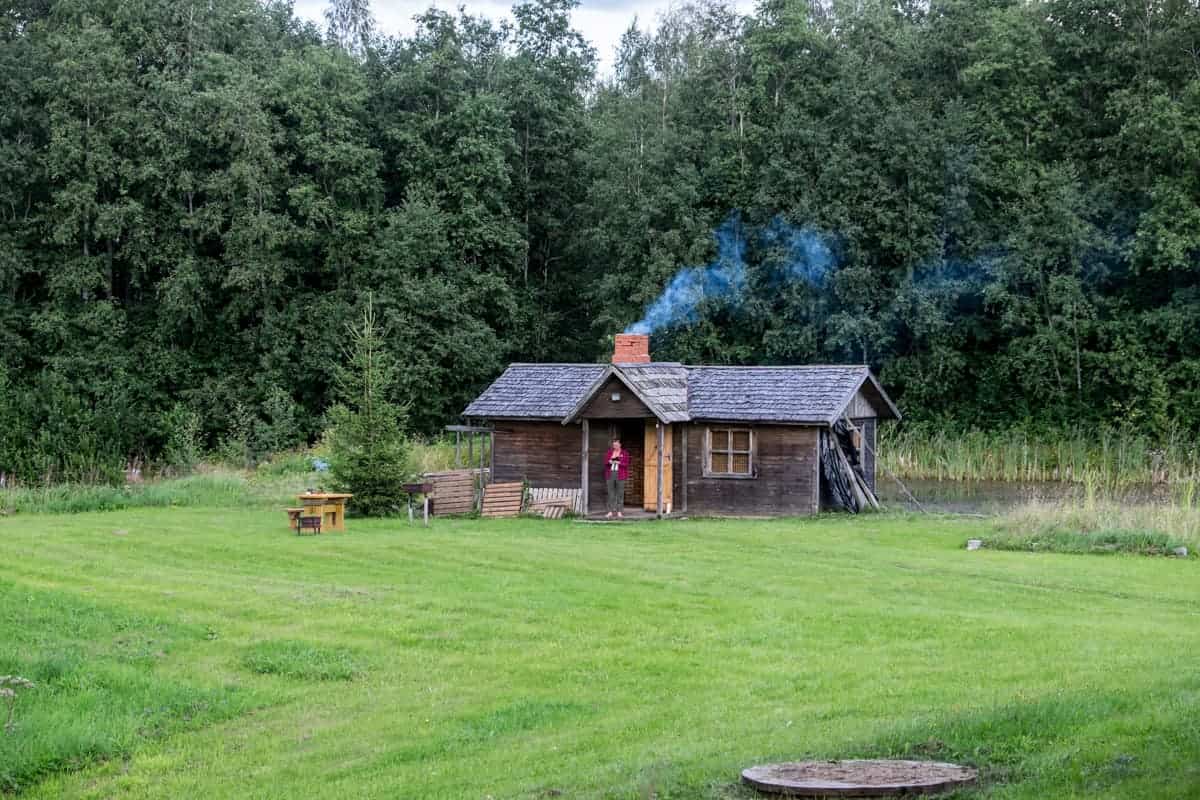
(840, 465)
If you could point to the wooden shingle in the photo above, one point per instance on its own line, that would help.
(815, 395)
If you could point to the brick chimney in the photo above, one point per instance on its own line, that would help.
(631, 348)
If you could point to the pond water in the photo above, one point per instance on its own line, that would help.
(995, 497)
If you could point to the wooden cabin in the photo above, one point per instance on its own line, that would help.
(733, 440)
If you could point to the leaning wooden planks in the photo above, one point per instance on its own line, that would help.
(503, 499)
(453, 492)
(550, 509)
(572, 498)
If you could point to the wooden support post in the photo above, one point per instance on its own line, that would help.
(426, 511)
(583, 467)
(683, 483)
(659, 505)
(470, 450)
(816, 506)
(457, 450)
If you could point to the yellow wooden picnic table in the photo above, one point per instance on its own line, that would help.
(329, 506)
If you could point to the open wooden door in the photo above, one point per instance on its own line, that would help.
(650, 474)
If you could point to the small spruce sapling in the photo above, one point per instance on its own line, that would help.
(368, 449)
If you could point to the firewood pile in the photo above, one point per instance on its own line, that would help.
(842, 469)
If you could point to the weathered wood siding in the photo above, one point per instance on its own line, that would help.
(867, 456)
(544, 453)
(861, 406)
(786, 460)
(678, 434)
(603, 406)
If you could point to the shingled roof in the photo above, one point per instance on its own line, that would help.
(816, 394)
(661, 386)
(535, 391)
(673, 392)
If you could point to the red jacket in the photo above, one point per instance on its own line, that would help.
(622, 466)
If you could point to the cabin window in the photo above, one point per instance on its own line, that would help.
(730, 452)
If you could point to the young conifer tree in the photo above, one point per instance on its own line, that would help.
(369, 453)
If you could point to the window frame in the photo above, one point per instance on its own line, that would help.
(729, 451)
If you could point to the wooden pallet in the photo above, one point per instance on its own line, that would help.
(550, 510)
(571, 498)
(503, 499)
(454, 492)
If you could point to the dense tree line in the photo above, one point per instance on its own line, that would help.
(195, 197)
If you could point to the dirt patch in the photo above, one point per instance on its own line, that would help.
(871, 778)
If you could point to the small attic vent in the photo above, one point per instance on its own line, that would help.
(615, 397)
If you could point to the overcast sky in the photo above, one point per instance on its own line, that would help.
(601, 21)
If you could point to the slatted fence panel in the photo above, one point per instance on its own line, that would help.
(503, 499)
(454, 492)
(572, 498)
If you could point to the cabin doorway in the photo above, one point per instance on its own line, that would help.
(639, 436)
(650, 476)
(629, 431)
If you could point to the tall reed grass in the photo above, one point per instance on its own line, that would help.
(1106, 457)
(1098, 522)
(434, 455)
(275, 481)
(209, 488)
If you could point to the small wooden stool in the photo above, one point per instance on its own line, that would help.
(308, 524)
(293, 516)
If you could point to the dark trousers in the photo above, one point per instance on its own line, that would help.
(616, 494)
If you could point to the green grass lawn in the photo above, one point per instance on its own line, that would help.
(190, 652)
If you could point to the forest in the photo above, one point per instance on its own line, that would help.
(994, 203)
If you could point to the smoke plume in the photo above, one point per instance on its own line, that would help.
(791, 254)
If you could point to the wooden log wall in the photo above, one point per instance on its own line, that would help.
(787, 462)
(546, 454)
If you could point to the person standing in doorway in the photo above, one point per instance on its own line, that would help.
(616, 472)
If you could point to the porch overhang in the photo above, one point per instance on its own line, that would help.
(614, 371)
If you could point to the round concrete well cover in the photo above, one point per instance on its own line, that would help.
(875, 778)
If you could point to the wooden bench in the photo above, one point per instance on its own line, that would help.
(308, 524)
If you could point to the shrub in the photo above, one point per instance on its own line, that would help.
(280, 429)
(285, 464)
(183, 448)
(236, 447)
